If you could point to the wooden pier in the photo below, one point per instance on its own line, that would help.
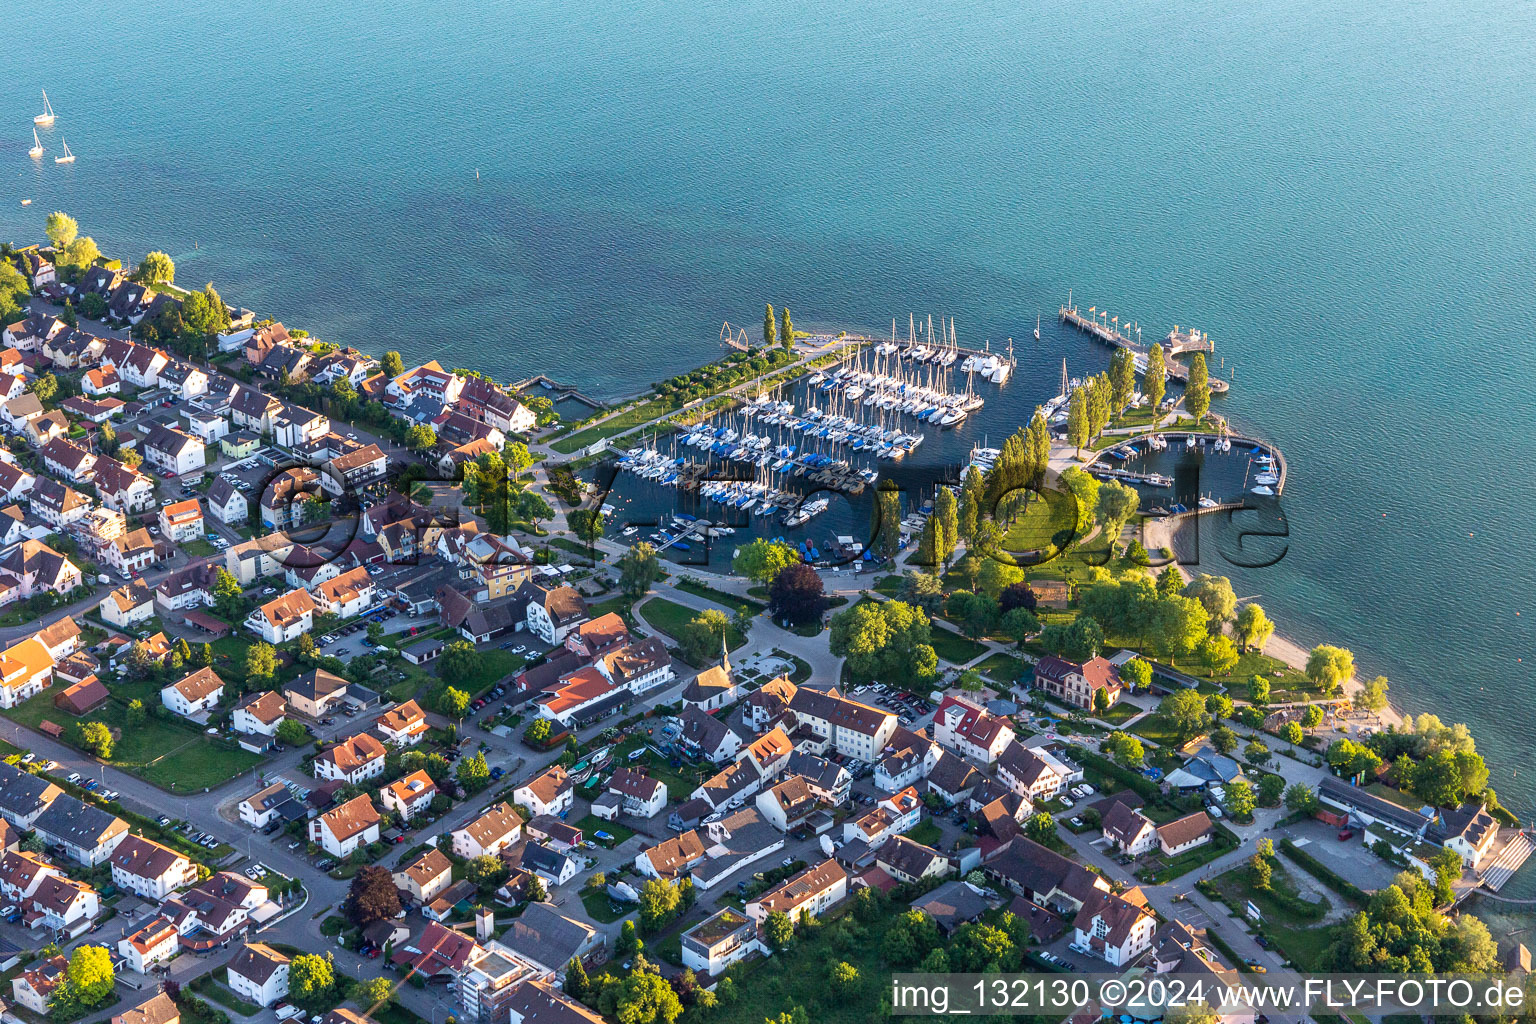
(1110, 335)
(1150, 479)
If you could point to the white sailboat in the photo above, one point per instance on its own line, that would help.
(37, 147)
(68, 157)
(1037, 326)
(46, 117)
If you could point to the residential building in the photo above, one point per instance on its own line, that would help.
(718, 941)
(1077, 683)
(271, 803)
(813, 892)
(343, 829)
(26, 669)
(346, 595)
(1128, 830)
(497, 828)
(157, 1009)
(172, 450)
(846, 726)
(642, 796)
(906, 759)
(152, 944)
(285, 497)
(788, 805)
(554, 612)
(426, 876)
(969, 730)
(33, 988)
(830, 781)
(549, 792)
(283, 618)
(707, 736)
(128, 605)
(549, 940)
(122, 488)
(1469, 830)
(150, 869)
(259, 714)
(403, 725)
(355, 471)
(1116, 928)
(410, 795)
(194, 693)
(554, 867)
(1024, 771)
(1184, 834)
(87, 833)
(488, 983)
(258, 974)
(351, 760)
(226, 503)
(182, 521)
(911, 862)
(672, 858)
(39, 569)
(24, 796)
(316, 693)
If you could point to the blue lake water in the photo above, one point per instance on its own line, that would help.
(1338, 192)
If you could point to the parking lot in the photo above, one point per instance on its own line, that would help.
(913, 711)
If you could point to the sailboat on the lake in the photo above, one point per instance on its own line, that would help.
(46, 117)
(37, 147)
(1037, 326)
(68, 157)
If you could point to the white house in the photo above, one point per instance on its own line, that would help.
(262, 807)
(259, 714)
(345, 828)
(403, 725)
(150, 869)
(193, 693)
(1025, 772)
(173, 451)
(1113, 927)
(351, 760)
(1128, 830)
(347, 594)
(718, 941)
(409, 796)
(283, 618)
(1185, 833)
(549, 792)
(641, 796)
(970, 731)
(182, 520)
(552, 613)
(154, 943)
(813, 891)
(259, 974)
(497, 828)
(129, 605)
(226, 503)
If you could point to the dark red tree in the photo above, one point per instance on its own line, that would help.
(1016, 595)
(796, 595)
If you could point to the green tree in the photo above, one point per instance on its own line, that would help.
(371, 896)
(1219, 706)
(1116, 505)
(93, 306)
(97, 738)
(61, 229)
(89, 977)
(1137, 673)
(155, 268)
(1260, 870)
(460, 661)
(1240, 799)
(1178, 626)
(473, 773)
(1085, 492)
(421, 438)
(586, 524)
(291, 733)
(704, 637)
(947, 511)
(1300, 798)
(1373, 695)
(576, 984)
(770, 328)
(639, 568)
(1079, 640)
(205, 656)
(372, 993)
(453, 702)
(1185, 712)
(996, 576)
(1197, 391)
(1252, 628)
(537, 732)
(1125, 749)
(778, 930)
(659, 903)
(1330, 667)
(1218, 653)
(391, 364)
(787, 331)
(1258, 691)
(517, 458)
(762, 560)
(1215, 595)
(534, 891)
(135, 715)
(1041, 828)
(843, 976)
(1291, 733)
(969, 511)
(628, 942)
(1311, 716)
(1078, 425)
(1270, 788)
(1122, 379)
(1020, 624)
(645, 997)
(1223, 739)
(82, 252)
(312, 981)
(228, 598)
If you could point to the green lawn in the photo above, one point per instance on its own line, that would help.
(199, 548)
(731, 602)
(170, 755)
(680, 781)
(1159, 730)
(600, 908)
(1119, 713)
(670, 617)
(591, 825)
(495, 665)
(620, 422)
(1002, 669)
(925, 832)
(1297, 935)
(1158, 869)
(954, 648)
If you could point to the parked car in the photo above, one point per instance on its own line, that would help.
(74, 778)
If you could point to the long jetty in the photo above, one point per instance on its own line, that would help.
(1110, 335)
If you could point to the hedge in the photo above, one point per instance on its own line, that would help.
(1312, 866)
(1227, 951)
(1143, 786)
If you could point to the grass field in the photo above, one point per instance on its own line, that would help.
(731, 602)
(954, 648)
(925, 832)
(1158, 729)
(170, 755)
(617, 424)
(670, 617)
(1002, 669)
(601, 908)
(1299, 936)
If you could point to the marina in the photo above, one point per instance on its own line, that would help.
(1108, 331)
